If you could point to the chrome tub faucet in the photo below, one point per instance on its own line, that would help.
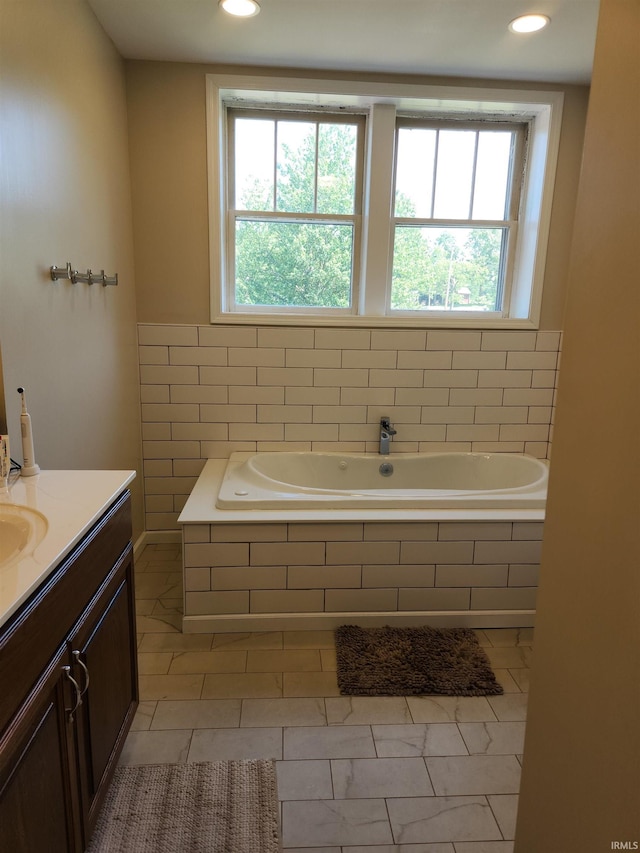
(386, 431)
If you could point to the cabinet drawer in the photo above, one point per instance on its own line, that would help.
(37, 629)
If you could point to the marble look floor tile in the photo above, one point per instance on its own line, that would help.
(335, 822)
(510, 636)
(323, 742)
(418, 739)
(304, 780)
(443, 709)
(167, 615)
(432, 819)
(360, 778)
(397, 737)
(310, 684)
(176, 642)
(154, 663)
(321, 849)
(521, 678)
(328, 660)
(454, 776)
(308, 639)
(511, 707)
(174, 580)
(505, 809)
(185, 662)
(161, 552)
(242, 685)
(283, 712)
(156, 561)
(506, 680)
(290, 660)
(158, 584)
(170, 686)
(245, 641)
(156, 748)
(367, 710)
(510, 657)
(482, 637)
(444, 847)
(143, 717)
(493, 738)
(199, 714)
(231, 744)
(159, 625)
(144, 606)
(168, 605)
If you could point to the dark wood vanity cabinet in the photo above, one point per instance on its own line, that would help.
(68, 692)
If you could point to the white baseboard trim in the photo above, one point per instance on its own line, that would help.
(328, 621)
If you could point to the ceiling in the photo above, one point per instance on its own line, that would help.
(435, 37)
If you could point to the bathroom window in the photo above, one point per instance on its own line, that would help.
(295, 194)
(457, 193)
(350, 204)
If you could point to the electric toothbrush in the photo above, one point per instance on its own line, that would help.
(29, 467)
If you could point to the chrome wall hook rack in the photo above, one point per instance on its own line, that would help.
(88, 277)
(80, 276)
(59, 272)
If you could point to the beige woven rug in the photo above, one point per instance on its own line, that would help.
(412, 662)
(213, 807)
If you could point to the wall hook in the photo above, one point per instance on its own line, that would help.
(59, 272)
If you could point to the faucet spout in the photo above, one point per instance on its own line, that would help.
(386, 432)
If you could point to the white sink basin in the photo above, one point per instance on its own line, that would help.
(21, 531)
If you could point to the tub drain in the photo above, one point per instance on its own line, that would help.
(386, 469)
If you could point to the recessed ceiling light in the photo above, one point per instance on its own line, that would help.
(240, 8)
(528, 23)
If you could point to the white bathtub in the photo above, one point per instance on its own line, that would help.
(369, 481)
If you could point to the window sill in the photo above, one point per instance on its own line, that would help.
(354, 322)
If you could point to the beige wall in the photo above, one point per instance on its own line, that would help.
(65, 196)
(581, 786)
(169, 180)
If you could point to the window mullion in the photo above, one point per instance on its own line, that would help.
(378, 207)
(435, 175)
(315, 170)
(473, 175)
(275, 165)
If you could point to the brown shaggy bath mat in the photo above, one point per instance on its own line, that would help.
(412, 661)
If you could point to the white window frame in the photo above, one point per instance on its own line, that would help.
(353, 219)
(382, 102)
(509, 222)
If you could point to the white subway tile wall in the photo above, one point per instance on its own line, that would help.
(363, 567)
(207, 391)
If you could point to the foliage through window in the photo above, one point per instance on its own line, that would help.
(430, 209)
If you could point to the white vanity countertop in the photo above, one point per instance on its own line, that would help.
(71, 501)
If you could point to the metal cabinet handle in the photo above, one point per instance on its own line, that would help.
(67, 672)
(79, 660)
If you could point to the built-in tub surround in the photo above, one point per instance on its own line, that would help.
(70, 502)
(303, 569)
(209, 391)
(348, 480)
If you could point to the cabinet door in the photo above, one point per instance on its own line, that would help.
(38, 791)
(104, 652)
